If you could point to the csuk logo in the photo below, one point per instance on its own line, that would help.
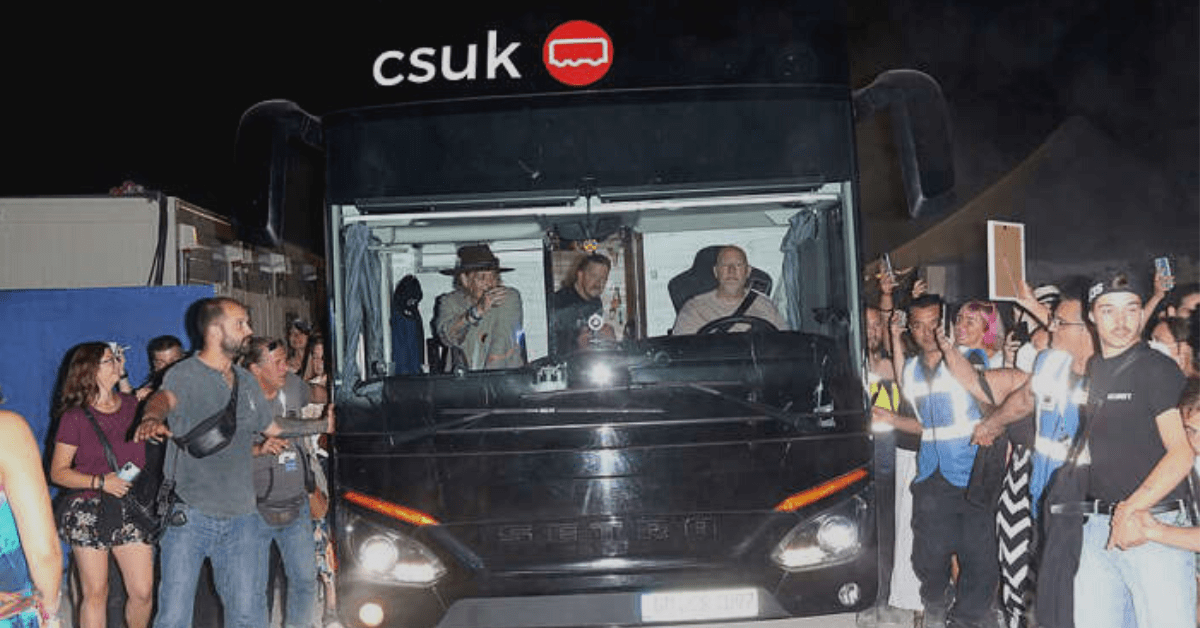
(425, 63)
(578, 53)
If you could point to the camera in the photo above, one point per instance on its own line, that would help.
(1020, 332)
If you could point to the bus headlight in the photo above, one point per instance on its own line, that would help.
(825, 540)
(399, 558)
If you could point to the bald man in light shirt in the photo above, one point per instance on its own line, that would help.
(731, 270)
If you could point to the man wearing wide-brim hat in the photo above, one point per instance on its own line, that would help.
(481, 317)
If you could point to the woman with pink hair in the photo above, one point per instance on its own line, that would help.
(979, 332)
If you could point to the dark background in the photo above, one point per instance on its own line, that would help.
(153, 93)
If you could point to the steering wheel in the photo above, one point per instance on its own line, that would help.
(725, 325)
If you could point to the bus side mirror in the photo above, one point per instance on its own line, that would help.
(922, 131)
(279, 168)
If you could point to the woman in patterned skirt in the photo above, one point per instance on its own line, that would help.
(93, 519)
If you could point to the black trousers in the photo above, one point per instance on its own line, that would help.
(944, 524)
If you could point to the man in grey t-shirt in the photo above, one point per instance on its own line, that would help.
(217, 490)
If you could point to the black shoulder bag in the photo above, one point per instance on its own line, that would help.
(988, 468)
(139, 501)
(204, 439)
(1063, 532)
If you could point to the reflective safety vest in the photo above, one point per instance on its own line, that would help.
(885, 393)
(1057, 419)
(948, 417)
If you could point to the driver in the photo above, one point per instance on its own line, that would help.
(481, 317)
(731, 298)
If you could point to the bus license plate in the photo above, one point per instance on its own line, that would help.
(697, 605)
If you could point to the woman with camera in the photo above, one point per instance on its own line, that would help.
(92, 518)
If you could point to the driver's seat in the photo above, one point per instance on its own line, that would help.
(700, 278)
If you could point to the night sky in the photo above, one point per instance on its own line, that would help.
(153, 94)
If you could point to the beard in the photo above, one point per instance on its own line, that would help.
(231, 347)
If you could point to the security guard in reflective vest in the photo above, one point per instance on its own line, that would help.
(944, 522)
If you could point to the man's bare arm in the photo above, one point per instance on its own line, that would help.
(1171, 469)
(903, 423)
(154, 415)
(1016, 406)
(1001, 381)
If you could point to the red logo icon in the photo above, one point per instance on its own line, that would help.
(578, 53)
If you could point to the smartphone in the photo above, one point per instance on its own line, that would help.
(1162, 265)
(129, 472)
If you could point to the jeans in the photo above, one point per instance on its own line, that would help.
(295, 542)
(234, 545)
(1148, 586)
(945, 523)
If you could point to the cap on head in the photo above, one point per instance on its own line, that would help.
(1048, 293)
(1110, 283)
(475, 257)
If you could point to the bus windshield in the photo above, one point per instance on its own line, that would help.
(737, 303)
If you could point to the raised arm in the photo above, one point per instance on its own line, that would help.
(1001, 381)
(896, 340)
(1162, 285)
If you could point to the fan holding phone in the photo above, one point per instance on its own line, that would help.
(91, 516)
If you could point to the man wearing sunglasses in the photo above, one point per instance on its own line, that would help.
(1046, 406)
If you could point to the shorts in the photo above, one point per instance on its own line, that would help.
(83, 525)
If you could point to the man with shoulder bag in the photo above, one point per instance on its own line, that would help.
(284, 479)
(209, 408)
(1132, 458)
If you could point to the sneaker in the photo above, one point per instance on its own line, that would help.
(934, 618)
(330, 620)
(885, 617)
(892, 617)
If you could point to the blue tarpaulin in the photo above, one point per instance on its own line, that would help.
(39, 327)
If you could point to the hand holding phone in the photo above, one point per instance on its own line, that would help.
(129, 472)
(1164, 279)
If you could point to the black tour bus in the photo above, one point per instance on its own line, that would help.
(651, 477)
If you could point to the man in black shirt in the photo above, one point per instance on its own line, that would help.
(576, 302)
(1139, 456)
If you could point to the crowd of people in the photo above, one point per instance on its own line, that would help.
(1044, 475)
(236, 427)
(1043, 454)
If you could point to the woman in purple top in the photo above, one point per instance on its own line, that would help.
(94, 519)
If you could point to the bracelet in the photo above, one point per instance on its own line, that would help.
(92, 482)
(101, 483)
(44, 613)
(472, 315)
